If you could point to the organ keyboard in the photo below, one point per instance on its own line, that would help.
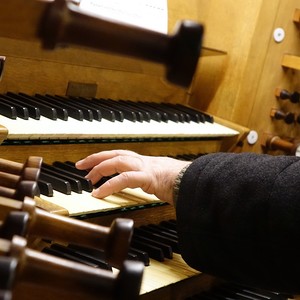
(47, 117)
(154, 119)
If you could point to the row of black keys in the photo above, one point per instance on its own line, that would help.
(65, 178)
(13, 105)
(232, 291)
(149, 241)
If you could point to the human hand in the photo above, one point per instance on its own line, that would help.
(154, 175)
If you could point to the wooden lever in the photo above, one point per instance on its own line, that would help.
(11, 181)
(24, 188)
(114, 240)
(277, 143)
(7, 271)
(16, 168)
(60, 22)
(39, 269)
(64, 23)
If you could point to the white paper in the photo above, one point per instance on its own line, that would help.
(149, 14)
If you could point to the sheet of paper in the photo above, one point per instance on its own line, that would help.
(149, 14)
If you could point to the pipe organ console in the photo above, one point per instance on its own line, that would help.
(73, 84)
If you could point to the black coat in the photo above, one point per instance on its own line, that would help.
(239, 219)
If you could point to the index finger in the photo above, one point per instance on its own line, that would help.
(94, 159)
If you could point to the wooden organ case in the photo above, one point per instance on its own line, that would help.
(235, 82)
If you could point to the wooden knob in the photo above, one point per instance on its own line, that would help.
(277, 143)
(39, 269)
(284, 95)
(113, 240)
(288, 118)
(16, 168)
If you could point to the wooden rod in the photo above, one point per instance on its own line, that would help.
(39, 269)
(114, 240)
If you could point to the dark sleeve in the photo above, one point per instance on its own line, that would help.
(238, 218)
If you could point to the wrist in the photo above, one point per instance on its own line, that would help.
(177, 182)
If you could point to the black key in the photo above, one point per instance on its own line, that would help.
(147, 232)
(195, 115)
(33, 111)
(160, 230)
(45, 110)
(96, 254)
(168, 230)
(61, 112)
(84, 103)
(106, 113)
(129, 114)
(88, 259)
(87, 112)
(172, 109)
(138, 109)
(148, 113)
(73, 112)
(142, 255)
(169, 224)
(75, 184)
(206, 117)
(73, 169)
(154, 252)
(8, 110)
(163, 229)
(163, 115)
(68, 256)
(58, 184)
(69, 171)
(45, 188)
(166, 249)
(117, 112)
(22, 111)
(182, 117)
(171, 115)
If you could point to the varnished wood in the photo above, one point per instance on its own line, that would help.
(38, 269)
(23, 188)
(236, 86)
(12, 181)
(291, 61)
(17, 168)
(3, 133)
(114, 240)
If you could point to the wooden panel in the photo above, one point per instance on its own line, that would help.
(241, 86)
(75, 152)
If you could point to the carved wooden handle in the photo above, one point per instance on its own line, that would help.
(114, 240)
(64, 23)
(39, 269)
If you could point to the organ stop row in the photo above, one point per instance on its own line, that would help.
(65, 94)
